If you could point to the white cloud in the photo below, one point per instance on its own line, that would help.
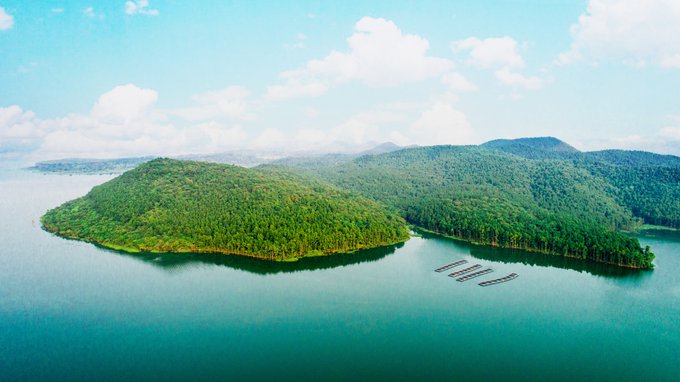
(510, 78)
(297, 84)
(124, 103)
(670, 61)
(498, 53)
(672, 131)
(441, 124)
(379, 55)
(18, 130)
(212, 137)
(664, 140)
(434, 123)
(230, 102)
(630, 31)
(367, 127)
(122, 122)
(6, 20)
(270, 138)
(139, 7)
(359, 132)
(456, 82)
(490, 52)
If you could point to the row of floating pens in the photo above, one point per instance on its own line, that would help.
(465, 274)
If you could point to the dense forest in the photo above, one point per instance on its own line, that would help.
(537, 194)
(647, 184)
(181, 206)
(492, 197)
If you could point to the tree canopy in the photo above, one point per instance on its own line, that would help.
(181, 206)
(502, 199)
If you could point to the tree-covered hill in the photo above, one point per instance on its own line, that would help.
(534, 148)
(181, 206)
(647, 184)
(496, 198)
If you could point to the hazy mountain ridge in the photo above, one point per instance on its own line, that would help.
(243, 158)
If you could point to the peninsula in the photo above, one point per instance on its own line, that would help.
(167, 205)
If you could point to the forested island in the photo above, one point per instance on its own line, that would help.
(167, 205)
(535, 194)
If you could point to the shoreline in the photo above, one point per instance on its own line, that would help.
(134, 250)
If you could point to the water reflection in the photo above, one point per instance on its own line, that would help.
(516, 256)
(661, 234)
(178, 261)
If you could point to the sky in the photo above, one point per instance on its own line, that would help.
(114, 78)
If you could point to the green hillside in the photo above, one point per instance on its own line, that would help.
(182, 206)
(645, 183)
(496, 198)
(541, 143)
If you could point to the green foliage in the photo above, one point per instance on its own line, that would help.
(647, 184)
(181, 206)
(491, 197)
(650, 192)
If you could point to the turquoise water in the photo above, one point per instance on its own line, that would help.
(73, 311)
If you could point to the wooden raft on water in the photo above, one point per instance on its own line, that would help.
(450, 265)
(473, 275)
(466, 270)
(500, 280)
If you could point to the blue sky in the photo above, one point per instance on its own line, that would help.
(119, 78)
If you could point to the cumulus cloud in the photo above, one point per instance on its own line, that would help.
(6, 20)
(139, 7)
(456, 82)
(442, 124)
(358, 132)
(490, 52)
(18, 130)
(367, 127)
(379, 55)
(124, 103)
(122, 122)
(510, 78)
(298, 83)
(629, 31)
(271, 138)
(427, 123)
(230, 102)
(212, 137)
(498, 53)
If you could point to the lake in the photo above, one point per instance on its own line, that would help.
(73, 311)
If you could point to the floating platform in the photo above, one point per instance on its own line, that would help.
(501, 280)
(466, 270)
(450, 265)
(473, 275)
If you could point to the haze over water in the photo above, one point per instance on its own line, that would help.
(73, 311)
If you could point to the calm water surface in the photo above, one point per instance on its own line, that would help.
(73, 311)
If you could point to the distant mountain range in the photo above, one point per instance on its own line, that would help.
(243, 158)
